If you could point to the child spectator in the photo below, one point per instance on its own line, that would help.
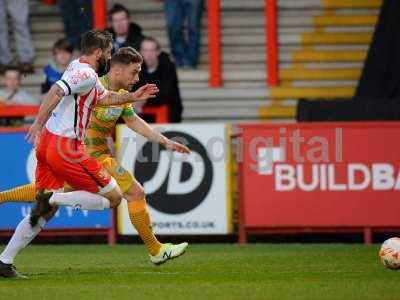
(62, 56)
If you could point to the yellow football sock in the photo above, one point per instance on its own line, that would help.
(23, 193)
(140, 219)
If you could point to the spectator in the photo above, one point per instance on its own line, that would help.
(159, 69)
(18, 11)
(12, 94)
(62, 56)
(186, 53)
(125, 33)
(78, 18)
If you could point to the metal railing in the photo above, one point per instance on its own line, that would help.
(214, 39)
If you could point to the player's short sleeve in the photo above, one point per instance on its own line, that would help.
(78, 81)
(128, 111)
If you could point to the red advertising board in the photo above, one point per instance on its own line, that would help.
(320, 175)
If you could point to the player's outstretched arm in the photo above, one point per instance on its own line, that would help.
(145, 92)
(50, 101)
(140, 126)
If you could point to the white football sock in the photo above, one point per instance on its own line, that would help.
(81, 200)
(23, 235)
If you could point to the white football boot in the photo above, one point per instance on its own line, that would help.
(168, 251)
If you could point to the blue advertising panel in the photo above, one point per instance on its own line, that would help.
(17, 161)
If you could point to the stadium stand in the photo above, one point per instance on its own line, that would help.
(321, 46)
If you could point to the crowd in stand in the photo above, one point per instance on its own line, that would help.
(158, 67)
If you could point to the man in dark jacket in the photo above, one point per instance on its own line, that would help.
(159, 69)
(125, 33)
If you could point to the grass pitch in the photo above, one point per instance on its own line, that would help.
(204, 272)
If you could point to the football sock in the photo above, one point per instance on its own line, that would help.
(23, 235)
(140, 219)
(81, 200)
(23, 193)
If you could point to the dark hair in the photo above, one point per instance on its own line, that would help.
(63, 45)
(151, 39)
(116, 8)
(126, 56)
(95, 39)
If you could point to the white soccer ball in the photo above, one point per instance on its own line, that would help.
(390, 253)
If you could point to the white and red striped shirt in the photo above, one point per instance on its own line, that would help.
(82, 89)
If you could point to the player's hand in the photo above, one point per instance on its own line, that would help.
(145, 92)
(33, 134)
(178, 147)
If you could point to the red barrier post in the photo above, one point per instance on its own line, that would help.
(112, 232)
(271, 48)
(49, 2)
(100, 14)
(160, 113)
(18, 110)
(367, 235)
(214, 43)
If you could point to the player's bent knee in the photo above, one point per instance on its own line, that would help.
(115, 202)
(114, 196)
(135, 193)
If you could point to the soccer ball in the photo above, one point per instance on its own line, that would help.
(390, 253)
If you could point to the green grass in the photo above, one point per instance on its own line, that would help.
(204, 272)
